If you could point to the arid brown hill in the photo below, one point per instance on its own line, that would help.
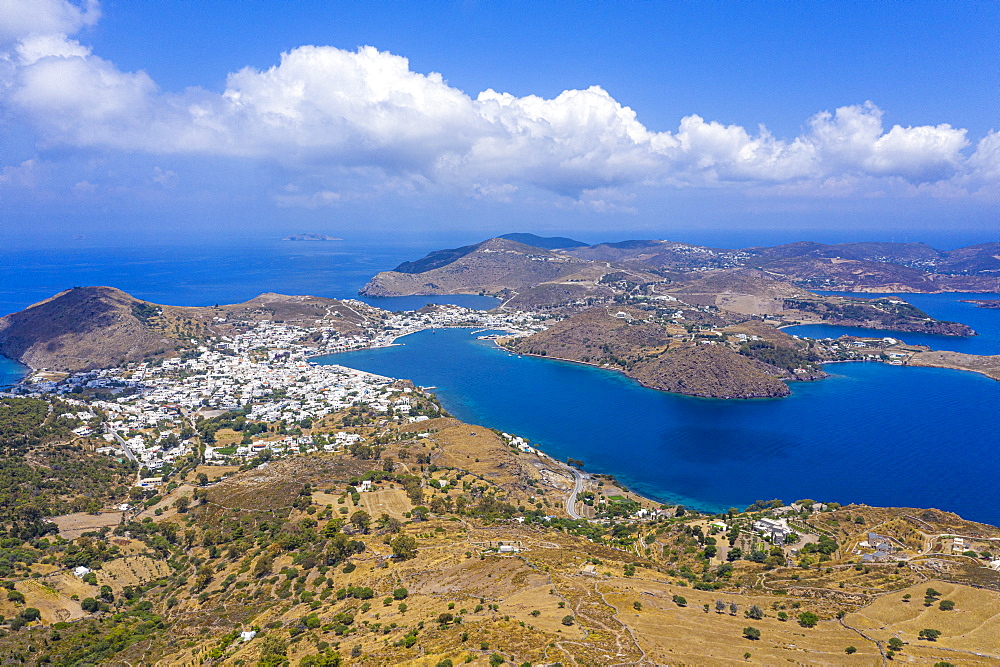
(490, 266)
(663, 356)
(99, 327)
(82, 328)
(860, 267)
(709, 371)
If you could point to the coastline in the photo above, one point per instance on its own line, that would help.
(657, 487)
(646, 386)
(693, 504)
(940, 361)
(395, 340)
(12, 372)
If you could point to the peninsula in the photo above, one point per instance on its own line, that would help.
(689, 319)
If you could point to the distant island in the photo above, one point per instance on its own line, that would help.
(311, 237)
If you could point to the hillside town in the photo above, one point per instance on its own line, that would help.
(147, 411)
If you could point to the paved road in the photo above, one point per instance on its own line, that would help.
(125, 447)
(571, 499)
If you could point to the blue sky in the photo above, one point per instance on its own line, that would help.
(157, 120)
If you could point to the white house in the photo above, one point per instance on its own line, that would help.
(777, 528)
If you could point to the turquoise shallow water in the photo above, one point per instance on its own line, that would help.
(873, 433)
(10, 371)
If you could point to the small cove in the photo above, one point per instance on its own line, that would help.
(10, 372)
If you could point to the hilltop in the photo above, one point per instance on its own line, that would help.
(85, 327)
(491, 266)
(99, 327)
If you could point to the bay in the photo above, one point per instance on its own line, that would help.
(946, 306)
(872, 433)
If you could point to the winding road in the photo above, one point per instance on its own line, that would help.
(571, 499)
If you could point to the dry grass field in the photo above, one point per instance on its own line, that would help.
(54, 603)
(672, 634)
(214, 472)
(72, 526)
(973, 625)
(393, 502)
(131, 571)
(166, 505)
(484, 454)
(69, 585)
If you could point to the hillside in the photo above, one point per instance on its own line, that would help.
(858, 267)
(709, 371)
(460, 552)
(84, 327)
(99, 327)
(491, 266)
(892, 314)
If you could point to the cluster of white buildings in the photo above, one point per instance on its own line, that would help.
(280, 447)
(520, 443)
(266, 370)
(401, 324)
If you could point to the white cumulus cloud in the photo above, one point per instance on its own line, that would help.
(323, 110)
(854, 138)
(22, 18)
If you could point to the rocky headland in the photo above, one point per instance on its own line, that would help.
(100, 327)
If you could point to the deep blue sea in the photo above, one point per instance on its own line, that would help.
(203, 275)
(873, 433)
